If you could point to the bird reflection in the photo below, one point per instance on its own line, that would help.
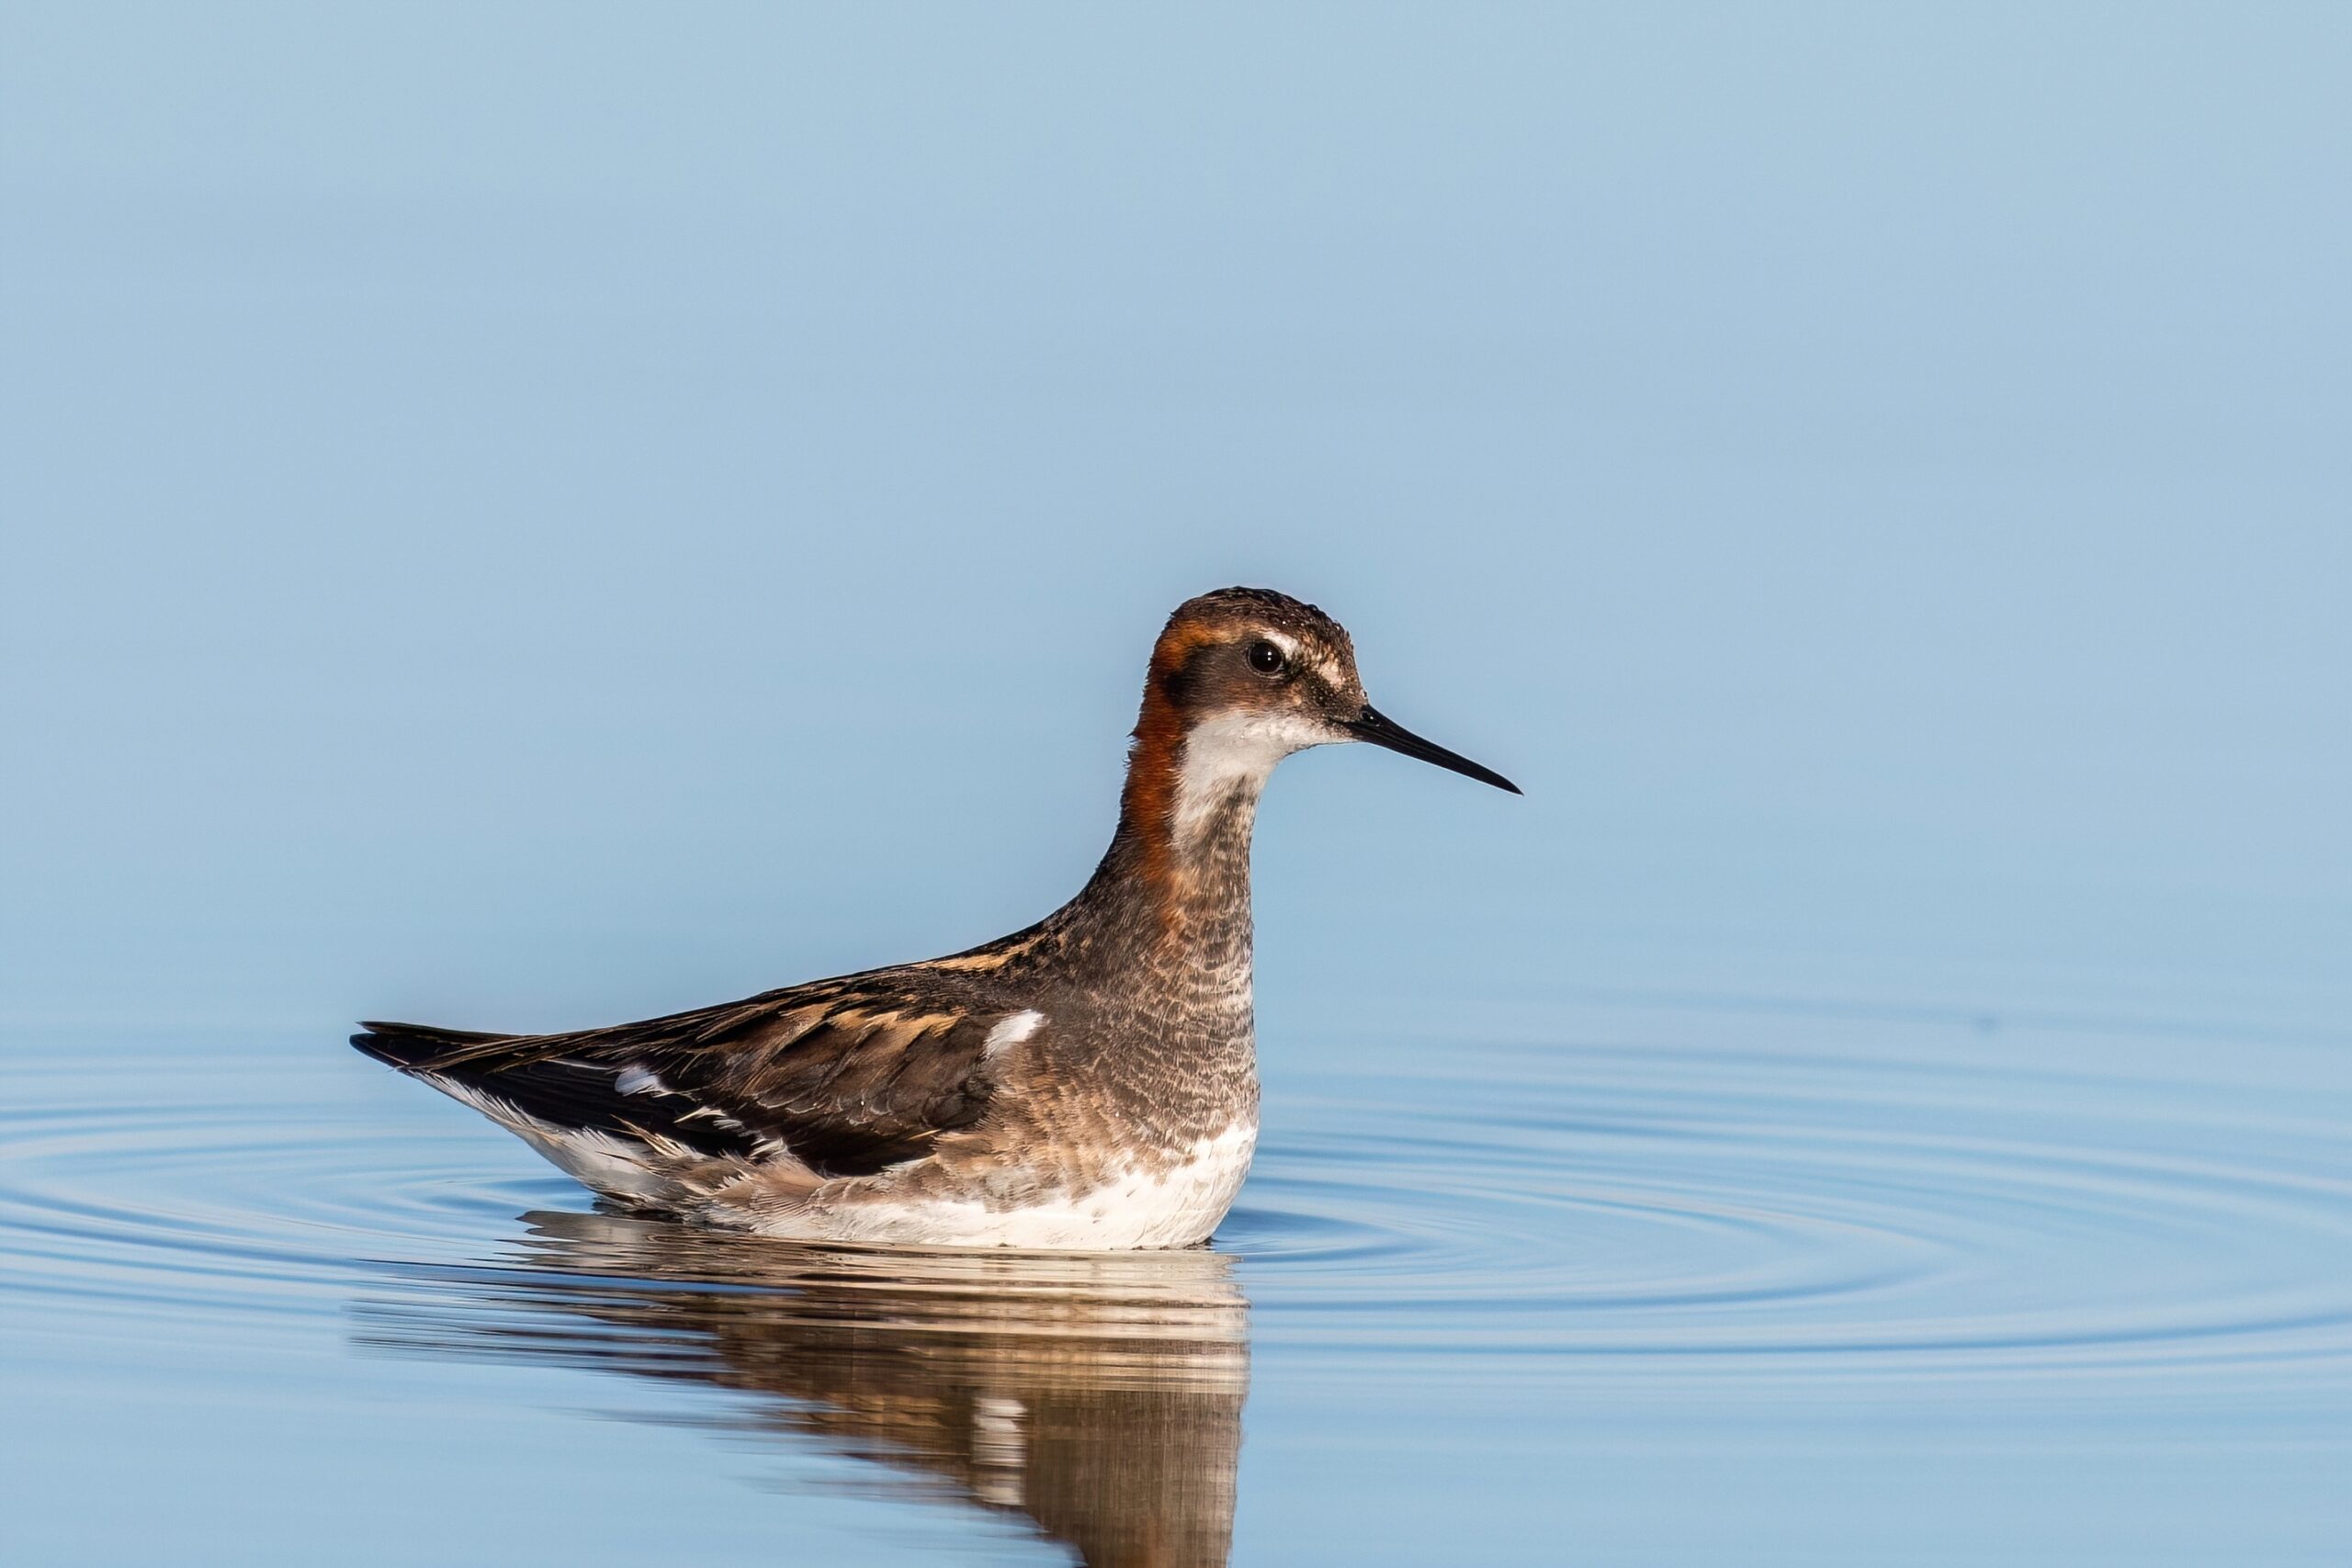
(1099, 1394)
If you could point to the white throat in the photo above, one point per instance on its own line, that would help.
(1231, 755)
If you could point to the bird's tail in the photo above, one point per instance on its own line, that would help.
(616, 1127)
(415, 1047)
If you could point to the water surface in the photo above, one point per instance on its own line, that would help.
(1653, 1279)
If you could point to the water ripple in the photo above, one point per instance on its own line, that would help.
(1933, 1210)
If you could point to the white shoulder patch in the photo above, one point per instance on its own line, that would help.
(1011, 1032)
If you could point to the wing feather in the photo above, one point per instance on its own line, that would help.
(847, 1076)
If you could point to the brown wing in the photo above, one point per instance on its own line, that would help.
(847, 1076)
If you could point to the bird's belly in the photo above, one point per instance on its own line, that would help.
(1172, 1198)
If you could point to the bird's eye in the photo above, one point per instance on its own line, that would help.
(1266, 659)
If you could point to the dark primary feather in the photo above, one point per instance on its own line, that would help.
(848, 1077)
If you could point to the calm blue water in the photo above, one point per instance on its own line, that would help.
(537, 515)
(1645, 1279)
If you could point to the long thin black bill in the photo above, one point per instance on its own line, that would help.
(1382, 730)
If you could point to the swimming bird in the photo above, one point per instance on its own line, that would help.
(1089, 1082)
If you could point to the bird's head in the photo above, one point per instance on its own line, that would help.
(1243, 677)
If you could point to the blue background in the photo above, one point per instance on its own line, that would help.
(543, 512)
(531, 516)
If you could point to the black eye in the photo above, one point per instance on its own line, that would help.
(1266, 659)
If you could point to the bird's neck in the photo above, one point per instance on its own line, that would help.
(1179, 863)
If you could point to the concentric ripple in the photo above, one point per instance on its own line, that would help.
(1826, 1196)
(1770, 1210)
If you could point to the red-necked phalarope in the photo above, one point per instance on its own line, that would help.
(1089, 1082)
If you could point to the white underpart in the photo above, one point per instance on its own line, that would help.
(1166, 1203)
(594, 1160)
(1011, 1032)
(1177, 1204)
(1236, 751)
